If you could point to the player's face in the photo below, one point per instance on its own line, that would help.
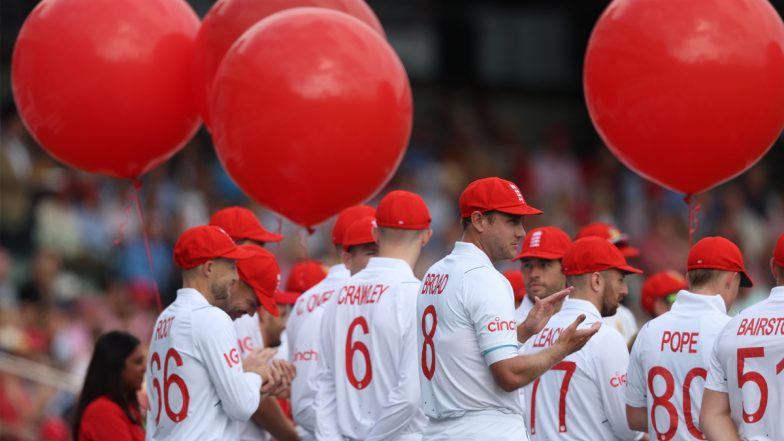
(502, 235)
(615, 290)
(542, 277)
(222, 280)
(359, 256)
(133, 371)
(272, 327)
(243, 301)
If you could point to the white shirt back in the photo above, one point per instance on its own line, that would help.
(580, 398)
(747, 363)
(671, 355)
(304, 329)
(196, 384)
(249, 338)
(371, 354)
(623, 320)
(465, 323)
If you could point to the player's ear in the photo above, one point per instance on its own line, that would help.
(206, 268)
(345, 257)
(597, 282)
(426, 236)
(478, 221)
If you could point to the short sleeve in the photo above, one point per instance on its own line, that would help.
(717, 375)
(490, 304)
(635, 393)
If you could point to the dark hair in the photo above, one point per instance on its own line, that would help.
(104, 376)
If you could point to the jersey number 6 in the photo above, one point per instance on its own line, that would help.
(168, 381)
(351, 348)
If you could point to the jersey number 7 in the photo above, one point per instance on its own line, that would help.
(568, 367)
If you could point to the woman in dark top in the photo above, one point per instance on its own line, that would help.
(108, 408)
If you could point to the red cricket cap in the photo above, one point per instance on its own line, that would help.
(347, 217)
(241, 224)
(304, 275)
(611, 233)
(549, 243)
(262, 273)
(494, 194)
(359, 233)
(206, 242)
(778, 253)
(593, 254)
(715, 252)
(661, 285)
(515, 278)
(286, 297)
(403, 210)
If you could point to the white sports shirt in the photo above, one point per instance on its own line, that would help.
(623, 320)
(248, 339)
(747, 363)
(303, 329)
(195, 380)
(669, 357)
(580, 398)
(465, 323)
(368, 372)
(521, 313)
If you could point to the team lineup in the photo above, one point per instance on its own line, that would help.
(367, 351)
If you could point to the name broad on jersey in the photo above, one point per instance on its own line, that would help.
(434, 283)
(361, 294)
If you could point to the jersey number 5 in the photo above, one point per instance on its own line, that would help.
(354, 346)
(428, 369)
(168, 381)
(756, 378)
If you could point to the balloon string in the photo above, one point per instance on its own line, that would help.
(303, 242)
(694, 222)
(124, 224)
(137, 185)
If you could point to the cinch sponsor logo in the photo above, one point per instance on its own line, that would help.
(310, 355)
(618, 380)
(434, 283)
(678, 341)
(500, 325)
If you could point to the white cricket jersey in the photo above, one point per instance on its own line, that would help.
(747, 363)
(369, 379)
(521, 313)
(623, 320)
(671, 354)
(303, 329)
(580, 398)
(195, 382)
(249, 339)
(465, 323)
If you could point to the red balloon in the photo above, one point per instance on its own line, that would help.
(228, 19)
(312, 113)
(689, 93)
(104, 85)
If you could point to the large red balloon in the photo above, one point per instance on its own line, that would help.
(687, 93)
(312, 113)
(104, 85)
(228, 19)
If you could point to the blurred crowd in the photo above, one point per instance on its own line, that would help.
(75, 264)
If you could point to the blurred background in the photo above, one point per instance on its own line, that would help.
(497, 89)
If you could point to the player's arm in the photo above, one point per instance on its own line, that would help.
(540, 314)
(520, 370)
(238, 391)
(715, 418)
(325, 403)
(636, 388)
(611, 365)
(405, 397)
(271, 418)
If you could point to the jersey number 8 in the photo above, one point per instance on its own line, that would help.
(429, 369)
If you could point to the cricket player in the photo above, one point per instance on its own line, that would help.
(515, 278)
(744, 393)
(660, 290)
(304, 327)
(623, 320)
(581, 398)
(467, 336)
(197, 383)
(369, 388)
(670, 357)
(540, 263)
(245, 229)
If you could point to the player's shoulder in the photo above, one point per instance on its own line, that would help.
(208, 317)
(608, 336)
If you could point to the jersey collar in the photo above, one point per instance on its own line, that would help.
(777, 293)
(469, 249)
(398, 265)
(581, 306)
(338, 271)
(192, 297)
(688, 301)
